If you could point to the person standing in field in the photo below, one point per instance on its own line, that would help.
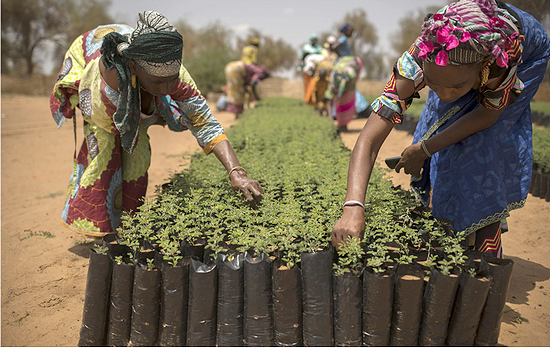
(242, 78)
(124, 80)
(311, 48)
(471, 157)
(342, 46)
(249, 53)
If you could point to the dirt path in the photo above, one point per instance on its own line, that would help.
(44, 265)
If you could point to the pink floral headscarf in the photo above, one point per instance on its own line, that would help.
(467, 31)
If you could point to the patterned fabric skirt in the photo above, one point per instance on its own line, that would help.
(236, 89)
(345, 107)
(478, 181)
(106, 181)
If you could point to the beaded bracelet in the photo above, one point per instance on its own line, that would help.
(352, 202)
(236, 168)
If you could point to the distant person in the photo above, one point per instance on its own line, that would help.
(341, 90)
(471, 157)
(249, 53)
(327, 50)
(322, 76)
(312, 47)
(240, 79)
(124, 80)
(310, 66)
(342, 46)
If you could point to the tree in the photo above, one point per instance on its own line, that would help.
(363, 44)
(28, 25)
(410, 27)
(206, 53)
(274, 54)
(82, 16)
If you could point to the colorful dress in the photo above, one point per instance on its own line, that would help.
(238, 75)
(341, 87)
(107, 180)
(479, 180)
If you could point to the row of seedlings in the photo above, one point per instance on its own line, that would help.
(196, 266)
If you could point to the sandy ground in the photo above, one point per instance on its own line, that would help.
(44, 265)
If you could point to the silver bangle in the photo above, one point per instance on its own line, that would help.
(423, 146)
(352, 202)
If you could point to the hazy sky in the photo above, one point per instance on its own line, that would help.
(292, 21)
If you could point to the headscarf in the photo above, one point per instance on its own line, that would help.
(313, 36)
(156, 47)
(344, 27)
(254, 41)
(466, 32)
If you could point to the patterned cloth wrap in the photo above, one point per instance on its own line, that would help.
(238, 76)
(341, 88)
(477, 181)
(106, 179)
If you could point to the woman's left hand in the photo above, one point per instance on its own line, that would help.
(412, 160)
(251, 189)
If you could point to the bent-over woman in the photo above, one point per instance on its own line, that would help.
(471, 157)
(124, 80)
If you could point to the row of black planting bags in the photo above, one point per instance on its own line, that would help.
(251, 300)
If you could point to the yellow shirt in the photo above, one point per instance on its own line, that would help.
(249, 54)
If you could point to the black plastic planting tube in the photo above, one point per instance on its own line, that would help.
(548, 191)
(348, 306)
(537, 175)
(489, 324)
(96, 300)
(378, 292)
(439, 298)
(145, 305)
(407, 305)
(544, 179)
(317, 298)
(120, 310)
(287, 306)
(195, 251)
(470, 300)
(230, 300)
(201, 315)
(258, 305)
(173, 309)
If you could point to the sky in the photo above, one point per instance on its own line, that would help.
(292, 21)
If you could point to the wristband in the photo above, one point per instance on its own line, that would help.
(423, 146)
(352, 202)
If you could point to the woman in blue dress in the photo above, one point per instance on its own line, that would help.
(471, 157)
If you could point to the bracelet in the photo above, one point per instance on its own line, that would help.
(352, 202)
(236, 168)
(423, 146)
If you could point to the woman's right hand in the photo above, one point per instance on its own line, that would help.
(352, 223)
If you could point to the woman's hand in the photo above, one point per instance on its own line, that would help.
(412, 160)
(251, 189)
(352, 223)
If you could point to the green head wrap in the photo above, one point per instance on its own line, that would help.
(156, 47)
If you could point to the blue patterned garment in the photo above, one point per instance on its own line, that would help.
(477, 181)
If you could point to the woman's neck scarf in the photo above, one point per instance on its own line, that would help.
(466, 32)
(156, 47)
